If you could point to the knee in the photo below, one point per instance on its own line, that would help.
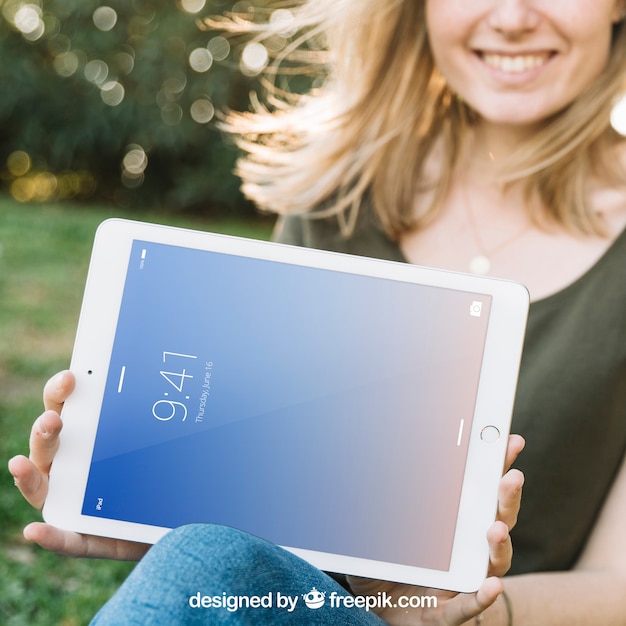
(211, 542)
(226, 559)
(212, 554)
(202, 534)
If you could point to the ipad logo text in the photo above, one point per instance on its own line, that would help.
(206, 391)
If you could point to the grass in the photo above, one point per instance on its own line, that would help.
(44, 253)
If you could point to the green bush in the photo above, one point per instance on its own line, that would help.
(104, 102)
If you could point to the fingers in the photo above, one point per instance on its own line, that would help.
(515, 445)
(57, 390)
(509, 500)
(467, 606)
(31, 475)
(500, 549)
(29, 480)
(73, 544)
(488, 593)
(44, 440)
(510, 497)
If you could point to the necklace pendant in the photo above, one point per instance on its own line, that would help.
(480, 264)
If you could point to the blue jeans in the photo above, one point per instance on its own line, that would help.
(207, 574)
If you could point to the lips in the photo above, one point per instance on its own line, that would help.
(515, 63)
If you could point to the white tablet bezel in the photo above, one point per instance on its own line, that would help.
(92, 352)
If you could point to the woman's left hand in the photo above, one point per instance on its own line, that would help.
(452, 608)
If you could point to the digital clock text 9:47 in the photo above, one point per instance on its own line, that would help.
(167, 409)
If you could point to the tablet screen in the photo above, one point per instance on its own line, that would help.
(317, 409)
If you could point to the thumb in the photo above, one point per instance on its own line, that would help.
(465, 606)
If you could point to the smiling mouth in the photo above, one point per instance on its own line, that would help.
(515, 63)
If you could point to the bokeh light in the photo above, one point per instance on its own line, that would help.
(125, 62)
(52, 25)
(38, 187)
(284, 20)
(28, 20)
(59, 43)
(30, 185)
(66, 64)
(219, 47)
(112, 93)
(104, 18)
(134, 165)
(96, 71)
(18, 163)
(254, 58)
(193, 6)
(200, 60)
(618, 116)
(202, 111)
(135, 160)
(172, 113)
(158, 65)
(175, 84)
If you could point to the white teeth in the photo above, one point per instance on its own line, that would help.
(515, 64)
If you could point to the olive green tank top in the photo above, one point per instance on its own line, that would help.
(571, 397)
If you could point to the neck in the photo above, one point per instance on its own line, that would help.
(489, 148)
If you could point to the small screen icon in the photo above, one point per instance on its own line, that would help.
(476, 308)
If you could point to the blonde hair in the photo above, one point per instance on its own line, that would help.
(382, 108)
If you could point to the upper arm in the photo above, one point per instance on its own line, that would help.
(606, 546)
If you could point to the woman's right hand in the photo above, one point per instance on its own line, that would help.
(31, 478)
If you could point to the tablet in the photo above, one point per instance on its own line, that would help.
(354, 411)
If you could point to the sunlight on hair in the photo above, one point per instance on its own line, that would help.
(618, 116)
(104, 18)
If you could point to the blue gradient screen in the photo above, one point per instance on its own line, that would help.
(316, 409)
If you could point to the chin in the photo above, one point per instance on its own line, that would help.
(516, 117)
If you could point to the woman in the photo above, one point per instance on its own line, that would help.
(476, 137)
(472, 136)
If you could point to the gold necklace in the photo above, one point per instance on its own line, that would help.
(481, 263)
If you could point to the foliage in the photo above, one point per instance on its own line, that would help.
(117, 101)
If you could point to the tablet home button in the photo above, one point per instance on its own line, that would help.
(490, 434)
